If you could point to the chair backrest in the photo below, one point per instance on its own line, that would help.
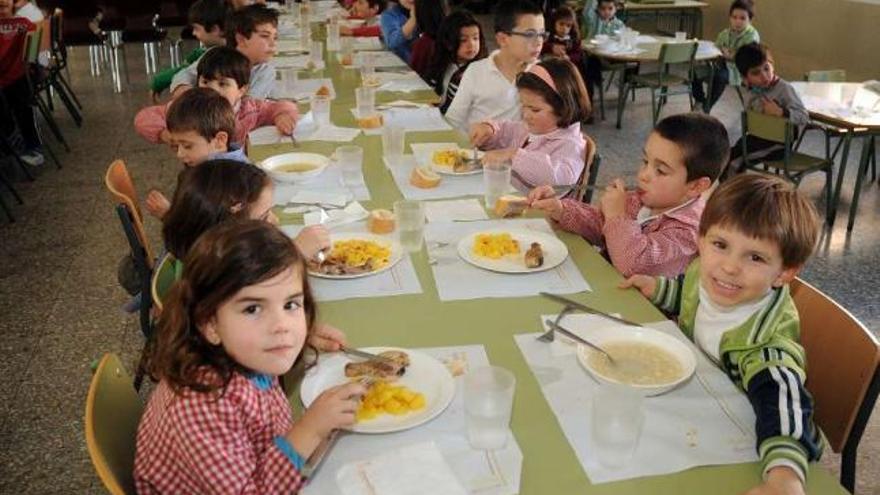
(843, 357)
(588, 174)
(121, 187)
(164, 276)
(765, 126)
(113, 411)
(834, 75)
(677, 53)
(32, 45)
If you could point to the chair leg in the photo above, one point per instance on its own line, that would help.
(48, 150)
(69, 90)
(53, 126)
(828, 185)
(655, 106)
(621, 101)
(12, 190)
(68, 103)
(7, 210)
(863, 165)
(601, 87)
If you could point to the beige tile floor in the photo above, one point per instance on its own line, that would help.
(60, 304)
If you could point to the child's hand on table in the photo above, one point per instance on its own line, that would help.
(312, 239)
(613, 202)
(157, 204)
(544, 198)
(327, 338)
(781, 480)
(646, 284)
(333, 409)
(345, 30)
(285, 124)
(481, 133)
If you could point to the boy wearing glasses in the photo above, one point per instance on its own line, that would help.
(487, 90)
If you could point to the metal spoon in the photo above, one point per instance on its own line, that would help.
(549, 336)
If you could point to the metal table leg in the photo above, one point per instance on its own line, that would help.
(840, 173)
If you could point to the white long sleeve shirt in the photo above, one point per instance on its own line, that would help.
(484, 94)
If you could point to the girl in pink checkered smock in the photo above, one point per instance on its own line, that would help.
(218, 421)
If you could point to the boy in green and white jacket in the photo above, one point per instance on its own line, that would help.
(740, 33)
(756, 233)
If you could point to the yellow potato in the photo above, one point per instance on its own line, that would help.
(495, 246)
(384, 398)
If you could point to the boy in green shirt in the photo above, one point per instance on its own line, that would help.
(207, 18)
(740, 33)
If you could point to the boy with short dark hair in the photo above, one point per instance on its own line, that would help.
(487, 90)
(756, 233)
(207, 18)
(768, 94)
(227, 72)
(253, 31)
(652, 229)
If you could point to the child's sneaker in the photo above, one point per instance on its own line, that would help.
(33, 158)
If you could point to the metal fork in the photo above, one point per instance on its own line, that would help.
(550, 336)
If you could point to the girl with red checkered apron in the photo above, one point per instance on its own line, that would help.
(218, 422)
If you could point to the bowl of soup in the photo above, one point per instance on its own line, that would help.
(642, 358)
(295, 167)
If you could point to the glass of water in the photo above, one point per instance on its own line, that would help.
(393, 137)
(316, 53)
(333, 34)
(496, 181)
(488, 403)
(365, 101)
(410, 223)
(351, 161)
(289, 80)
(320, 106)
(617, 418)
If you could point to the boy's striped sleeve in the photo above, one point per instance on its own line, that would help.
(786, 433)
(667, 294)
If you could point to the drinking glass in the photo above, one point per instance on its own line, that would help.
(351, 161)
(410, 223)
(496, 181)
(333, 35)
(316, 53)
(488, 403)
(365, 101)
(617, 418)
(393, 137)
(289, 80)
(320, 106)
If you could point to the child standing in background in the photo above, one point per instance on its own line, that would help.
(459, 42)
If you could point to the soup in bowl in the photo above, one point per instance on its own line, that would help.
(642, 358)
(295, 167)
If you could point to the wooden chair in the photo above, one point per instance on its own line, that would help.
(843, 373)
(794, 165)
(590, 172)
(122, 189)
(113, 411)
(670, 54)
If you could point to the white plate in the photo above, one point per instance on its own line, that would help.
(672, 345)
(396, 254)
(424, 155)
(555, 251)
(424, 374)
(269, 165)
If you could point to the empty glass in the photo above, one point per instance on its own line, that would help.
(393, 137)
(316, 53)
(488, 403)
(351, 161)
(617, 418)
(365, 100)
(496, 181)
(320, 106)
(333, 34)
(410, 223)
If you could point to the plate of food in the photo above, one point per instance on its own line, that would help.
(406, 390)
(512, 250)
(357, 255)
(295, 167)
(447, 158)
(643, 358)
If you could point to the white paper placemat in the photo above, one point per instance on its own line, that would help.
(412, 119)
(328, 183)
(456, 279)
(380, 59)
(479, 471)
(400, 279)
(451, 186)
(295, 62)
(707, 421)
(461, 210)
(367, 43)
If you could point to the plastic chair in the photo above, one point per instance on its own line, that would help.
(166, 273)
(843, 374)
(794, 165)
(113, 411)
(670, 54)
(31, 53)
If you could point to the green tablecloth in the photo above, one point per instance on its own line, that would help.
(422, 320)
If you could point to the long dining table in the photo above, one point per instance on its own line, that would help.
(423, 320)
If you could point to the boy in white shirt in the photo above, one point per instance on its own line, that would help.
(756, 233)
(487, 90)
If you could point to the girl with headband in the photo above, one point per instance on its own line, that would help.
(547, 146)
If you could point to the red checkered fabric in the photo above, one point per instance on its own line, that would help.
(202, 443)
(662, 246)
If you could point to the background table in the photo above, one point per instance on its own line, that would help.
(681, 15)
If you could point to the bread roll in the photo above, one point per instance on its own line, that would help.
(424, 178)
(381, 222)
